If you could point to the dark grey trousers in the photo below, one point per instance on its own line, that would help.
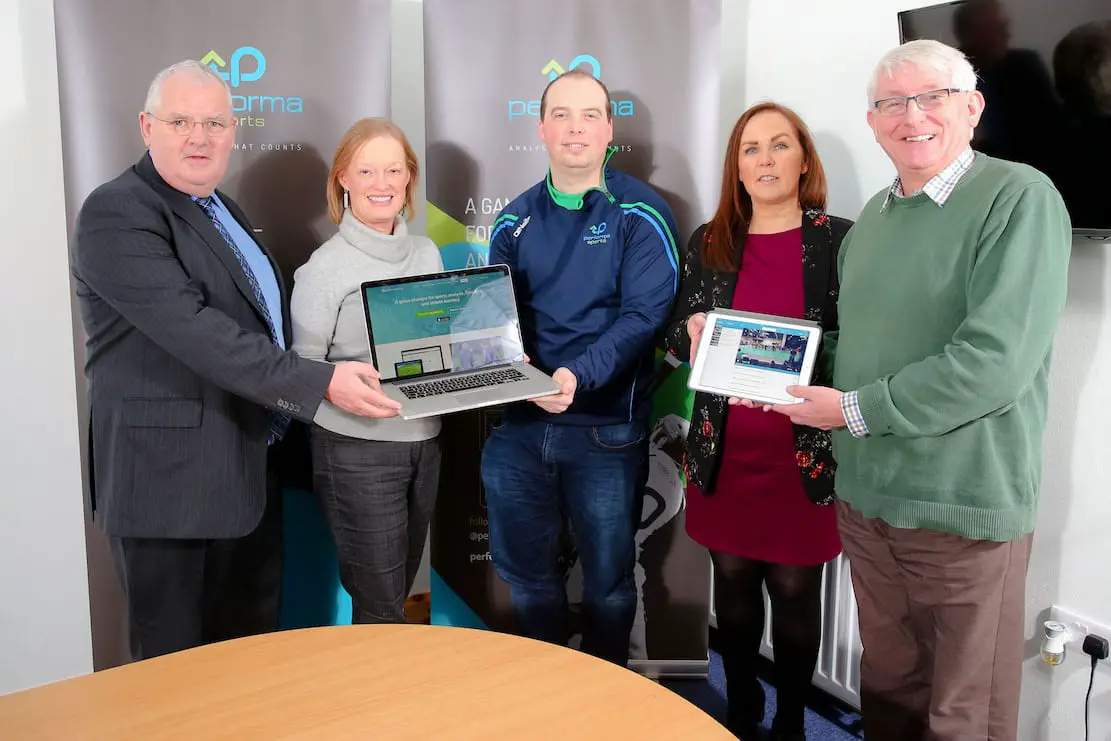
(183, 593)
(378, 498)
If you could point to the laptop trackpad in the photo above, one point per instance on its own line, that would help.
(480, 396)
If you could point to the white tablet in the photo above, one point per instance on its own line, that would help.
(754, 356)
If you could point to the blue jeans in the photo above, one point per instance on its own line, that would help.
(537, 477)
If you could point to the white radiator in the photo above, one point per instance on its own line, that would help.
(838, 669)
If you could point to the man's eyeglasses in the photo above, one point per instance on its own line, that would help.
(926, 101)
(184, 125)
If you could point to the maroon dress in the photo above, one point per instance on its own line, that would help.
(758, 509)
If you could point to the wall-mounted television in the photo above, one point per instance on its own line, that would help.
(1045, 72)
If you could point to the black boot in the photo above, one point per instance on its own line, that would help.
(739, 601)
(743, 691)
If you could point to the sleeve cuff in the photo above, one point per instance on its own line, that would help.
(576, 369)
(854, 420)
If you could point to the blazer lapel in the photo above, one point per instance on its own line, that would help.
(184, 206)
(816, 249)
(724, 285)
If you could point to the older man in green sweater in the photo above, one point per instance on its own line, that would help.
(952, 283)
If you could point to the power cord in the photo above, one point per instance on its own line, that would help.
(1096, 647)
(1088, 697)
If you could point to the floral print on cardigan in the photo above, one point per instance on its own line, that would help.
(703, 289)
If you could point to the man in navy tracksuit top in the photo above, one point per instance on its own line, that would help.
(594, 262)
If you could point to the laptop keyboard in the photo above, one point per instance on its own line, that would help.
(463, 383)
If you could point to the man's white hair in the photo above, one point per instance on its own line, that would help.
(950, 63)
(191, 67)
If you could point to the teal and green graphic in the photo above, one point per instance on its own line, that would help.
(450, 235)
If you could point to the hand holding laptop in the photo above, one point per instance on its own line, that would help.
(355, 388)
(558, 403)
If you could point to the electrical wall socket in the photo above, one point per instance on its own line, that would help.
(1078, 625)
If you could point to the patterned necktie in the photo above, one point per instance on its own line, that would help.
(279, 422)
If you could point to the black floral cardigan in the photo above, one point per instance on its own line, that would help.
(703, 289)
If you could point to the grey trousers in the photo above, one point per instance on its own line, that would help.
(378, 498)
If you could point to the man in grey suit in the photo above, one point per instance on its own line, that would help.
(191, 388)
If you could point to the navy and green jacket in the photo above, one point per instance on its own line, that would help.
(595, 275)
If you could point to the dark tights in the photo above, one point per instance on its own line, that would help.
(795, 593)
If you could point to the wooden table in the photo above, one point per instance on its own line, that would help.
(361, 682)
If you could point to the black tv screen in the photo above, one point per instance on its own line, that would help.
(1045, 72)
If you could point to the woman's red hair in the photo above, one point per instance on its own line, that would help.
(729, 227)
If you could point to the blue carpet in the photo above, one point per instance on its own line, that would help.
(830, 722)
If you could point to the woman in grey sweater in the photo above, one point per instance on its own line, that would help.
(376, 478)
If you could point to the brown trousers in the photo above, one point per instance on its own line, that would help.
(941, 620)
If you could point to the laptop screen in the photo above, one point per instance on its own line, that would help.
(442, 323)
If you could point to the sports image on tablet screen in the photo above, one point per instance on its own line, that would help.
(774, 349)
(754, 360)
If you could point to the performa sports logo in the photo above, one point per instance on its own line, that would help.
(552, 70)
(235, 75)
(247, 64)
(598, 235)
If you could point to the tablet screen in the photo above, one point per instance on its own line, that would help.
(754, 360)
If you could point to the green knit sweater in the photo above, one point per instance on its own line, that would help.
(947, 316)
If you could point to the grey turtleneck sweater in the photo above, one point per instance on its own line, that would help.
(327, 312)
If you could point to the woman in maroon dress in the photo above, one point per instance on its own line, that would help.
(758, 487)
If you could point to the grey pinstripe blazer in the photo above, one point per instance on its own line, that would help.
(181, 368)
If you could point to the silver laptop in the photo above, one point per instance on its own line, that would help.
(450, 341)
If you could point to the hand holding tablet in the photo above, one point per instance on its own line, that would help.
(695, 324)
(752, 356)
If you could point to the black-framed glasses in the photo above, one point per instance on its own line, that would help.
(926, 101)
(184, 125)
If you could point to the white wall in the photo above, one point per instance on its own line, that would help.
(44, 591)
(816, 58)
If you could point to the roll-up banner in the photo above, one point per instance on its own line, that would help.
(486, 64)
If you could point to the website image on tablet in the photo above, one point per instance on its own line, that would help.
(752, 358)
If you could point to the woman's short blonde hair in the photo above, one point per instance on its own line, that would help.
(359, 134)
